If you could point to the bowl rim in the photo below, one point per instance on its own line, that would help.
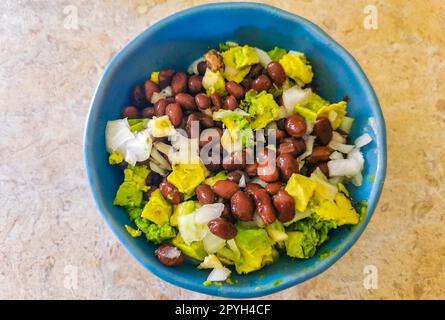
(379, 176)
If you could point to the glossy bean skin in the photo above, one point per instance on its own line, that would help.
(169, 255)
(202, 101)
(130, 112)
(295, 126)
(268, 172)
(319, 153)
(202, 67)
(235, 89)
(323, 166)
(148, 112)
(273, 187)
(179, 83)
(276, 72)
(170, 192)
(159, 107)
(241, 206)
(185, 100)
(205, 194)
(292, 145)
(209, 135)
(174, 113)
(216, 100)
(235, 161)
(225, 188)
(255, 71)
(261, 83)
(284, 205)
(230, 103)
(195, 83)
(227, 213)
(150, 88)
(323, 131)
(251, 187)
(137, 97)
(288, 165)
(251, 169)
(222, 228)
(264, 206)
(165, 78)
(234, 176)
(280, 135)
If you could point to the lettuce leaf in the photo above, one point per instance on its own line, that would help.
(262, 107)
(296, 67)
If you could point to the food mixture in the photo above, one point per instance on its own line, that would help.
(236, 161)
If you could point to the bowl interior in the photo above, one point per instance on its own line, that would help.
(180, 39)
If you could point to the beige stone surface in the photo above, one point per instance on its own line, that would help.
(50, 228)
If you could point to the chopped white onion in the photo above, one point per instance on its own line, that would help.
(343, 148)
(156, 168)
(294, 53)
(166, 92)
(357, 180)
(219, 274)
(337, 137)
(210, 262)
(193, 68)
(309, 127)
(336, 155)
(259, 181)
(263, 56)
(309, 141)
(295, 95)
(343, 167)
(242, 181)
(346, 124)
(363, 140)
(160, 160)
(163, 147)
(208, 212)
(117, 132)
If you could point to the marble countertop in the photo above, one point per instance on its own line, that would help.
(53, 242)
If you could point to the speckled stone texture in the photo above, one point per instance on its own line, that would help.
(50, 230)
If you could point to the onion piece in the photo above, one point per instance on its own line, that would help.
(263, 56)
(259, 181)
(337, 137)
(166, 92)
(343, 148)
(336, 155)
(242, 181)
(117, 132)
(156, 168)
(163, 147)
(295, 95)
(219, 274)
(159, 159)
(212, 243)
(363, 140)
(193, 68)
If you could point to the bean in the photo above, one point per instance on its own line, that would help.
(202, 67)
(159, 107)
(323, 131)
(225, 188)
(319, 153)
(179, 83)
(264, 206)
(280, 135)
(323, 166)
(153, 178)
(235, 89)
(251, 187)
(148, 112)
(261, 83)
(214, 60)
(185, 100)
(242, 206)
(214, 166)
(227, 213)
(205, 120)
(169, 255)
(284, 205)
(235, 161)
(209, 135)
(234, 176)
(195, 83)
(216, 100)
(295, 126)
(202, 101)
(165, 77)
(288, 165)
(174, 113)
(150, 88)
(267, 172)
(148, 193)
(230, 103)
(246, 83)
(205, 194)
(130, 112)
(276, 72)
(222, 228)
(251, 169)
(307, 169)
(255, 71)
(293, 146)
(280, 123)
(137, 97)
(170, 192)
(273, 188)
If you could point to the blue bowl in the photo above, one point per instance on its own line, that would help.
(176, 41)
